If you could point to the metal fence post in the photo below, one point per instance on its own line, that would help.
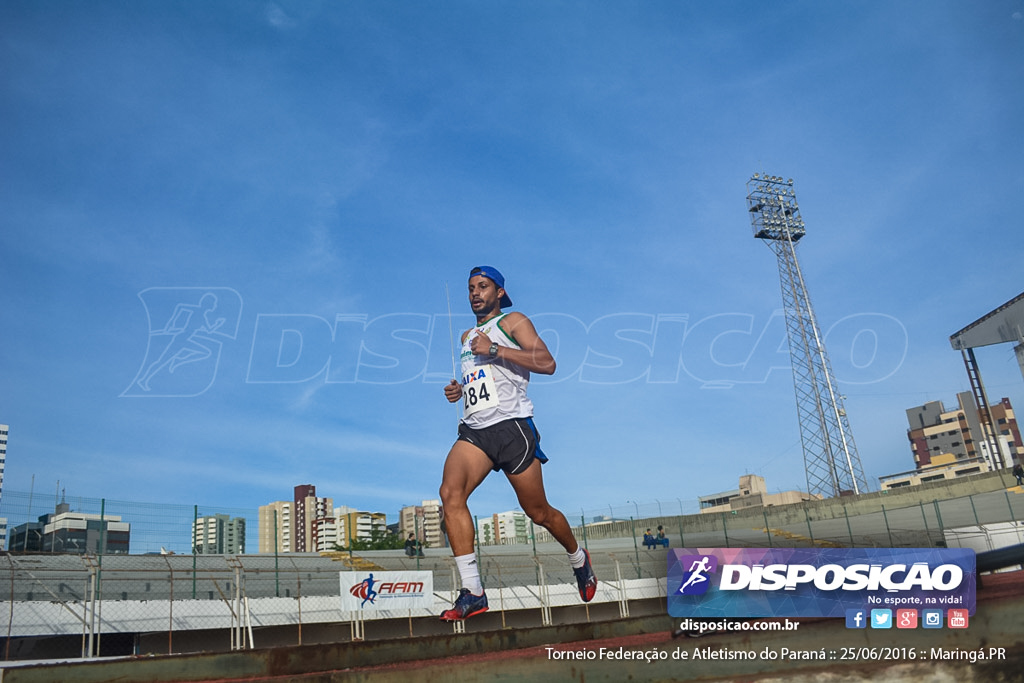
(10, 618)
(888, 531)
(98, 611)
(298, 598)
(542, 593)
(417, 548)
(170, 609)
(277, 574)
(938, 517)
(810, 531)
(849, 529)
(501, 595)
(636, 548)
(459, 625)
(195, 519)
(583, 529)
(623, 600)
(924, 518)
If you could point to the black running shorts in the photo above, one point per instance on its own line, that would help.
(510, 444)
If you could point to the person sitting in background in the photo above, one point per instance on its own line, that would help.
(412, 546)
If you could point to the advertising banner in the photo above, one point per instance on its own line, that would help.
(371, 591)
(817, 582)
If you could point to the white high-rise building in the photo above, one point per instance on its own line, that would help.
(423, 521)
(504, 528)
(275, 527)
(219, 535)
(350, 523)
(326, 533)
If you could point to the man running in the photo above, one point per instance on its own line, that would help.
(497, 433)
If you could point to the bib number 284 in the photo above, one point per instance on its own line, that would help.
(478, 391)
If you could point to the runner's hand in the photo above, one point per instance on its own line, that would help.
(481, 345)
(453, 391)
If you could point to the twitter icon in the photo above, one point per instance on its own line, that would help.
(881, 618)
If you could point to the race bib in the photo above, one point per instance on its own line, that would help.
(479, 391)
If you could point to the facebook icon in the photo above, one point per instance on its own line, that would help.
(855, 618)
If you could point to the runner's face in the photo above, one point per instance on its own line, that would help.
(483, 295)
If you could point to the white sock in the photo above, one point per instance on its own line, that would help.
(470, 573)
(578, 558)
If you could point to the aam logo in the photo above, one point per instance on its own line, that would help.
(369, 589)
(696, 575)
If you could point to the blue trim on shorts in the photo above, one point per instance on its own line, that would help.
(537, 452)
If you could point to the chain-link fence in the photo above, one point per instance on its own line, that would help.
(62, 604)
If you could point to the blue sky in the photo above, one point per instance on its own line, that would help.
(325, 169)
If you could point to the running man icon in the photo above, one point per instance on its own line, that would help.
(188, 330)
(366, 589)
(697, 570)
(187, 327)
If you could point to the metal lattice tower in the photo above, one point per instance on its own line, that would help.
(830, 455)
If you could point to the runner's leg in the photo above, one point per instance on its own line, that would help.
(529, 488)
(465, 468)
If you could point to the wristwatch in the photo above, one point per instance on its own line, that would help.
(493, 351)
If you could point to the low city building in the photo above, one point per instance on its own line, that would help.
(64, 531)
(944, 466)
(752, 492)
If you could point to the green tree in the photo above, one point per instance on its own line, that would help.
(379, 540)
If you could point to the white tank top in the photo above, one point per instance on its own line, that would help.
(492, 389)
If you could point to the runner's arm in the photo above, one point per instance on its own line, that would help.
(532, 354)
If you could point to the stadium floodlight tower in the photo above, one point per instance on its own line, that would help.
(830, 456)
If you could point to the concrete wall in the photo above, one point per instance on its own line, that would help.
(798, 513)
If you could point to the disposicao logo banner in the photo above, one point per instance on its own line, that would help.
(817, 582)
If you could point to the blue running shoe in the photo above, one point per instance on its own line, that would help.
(466, 606)
(586, 580)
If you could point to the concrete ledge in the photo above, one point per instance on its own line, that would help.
(310, 659)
